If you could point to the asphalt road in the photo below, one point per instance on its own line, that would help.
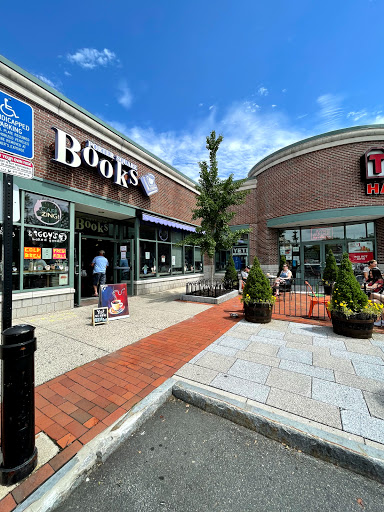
(186, 460)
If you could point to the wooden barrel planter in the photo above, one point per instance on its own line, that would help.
(353, 327)
(258, 313)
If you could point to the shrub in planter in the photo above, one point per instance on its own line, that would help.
(257, 296)
(352, 313)
(283, 261)
(330, 272)
(231, 279)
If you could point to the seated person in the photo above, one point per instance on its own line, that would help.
(284, 278)
(244, 273)
(244, 276)
(371, 265)
(375, 285)
(375, 291)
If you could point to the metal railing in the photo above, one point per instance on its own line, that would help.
(297, 300)
(205, 288)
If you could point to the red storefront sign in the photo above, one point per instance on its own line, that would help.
(59, 254)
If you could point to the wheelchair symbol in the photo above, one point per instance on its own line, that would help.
(7, 110)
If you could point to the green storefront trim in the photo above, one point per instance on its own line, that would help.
(334, 216)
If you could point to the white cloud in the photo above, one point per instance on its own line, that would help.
(66, 73)
(47, 81)
(331, 113)
(284, 90)
(263, 91)
(211, 107)
(125, 98)
(273, 106)
(90, 58)
(248, 137)
(357, 115)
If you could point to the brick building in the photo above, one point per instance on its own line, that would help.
(93, 189)
(321, 193)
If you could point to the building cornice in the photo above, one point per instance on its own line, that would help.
(355, 134)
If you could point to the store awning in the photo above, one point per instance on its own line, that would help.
(170, 223)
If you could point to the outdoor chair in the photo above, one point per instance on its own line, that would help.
(286, 288)
(316, 299)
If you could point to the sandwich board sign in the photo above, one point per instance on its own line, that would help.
(99, 316)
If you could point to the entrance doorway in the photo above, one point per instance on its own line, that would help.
(90, 248)
(314, 256)
(119, 270)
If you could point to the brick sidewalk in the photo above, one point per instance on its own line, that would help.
(75, 407)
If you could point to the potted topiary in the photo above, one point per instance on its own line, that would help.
(231, 279)
(283, 261)
(330, 272)
(257, 296)
(351, 311)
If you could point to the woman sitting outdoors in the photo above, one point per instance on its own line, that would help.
(284, 279)
(375, 288)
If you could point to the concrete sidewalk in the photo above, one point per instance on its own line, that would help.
(304, 371)
(91, 376)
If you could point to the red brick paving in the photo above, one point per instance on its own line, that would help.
(75, 407)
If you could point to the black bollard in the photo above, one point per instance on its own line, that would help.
(18, 408)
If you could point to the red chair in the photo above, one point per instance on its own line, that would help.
(316, 299)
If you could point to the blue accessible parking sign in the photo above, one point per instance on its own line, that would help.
(16, 126)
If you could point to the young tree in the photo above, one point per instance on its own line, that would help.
(213, 205)
(231, 279)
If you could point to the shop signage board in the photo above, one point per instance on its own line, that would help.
(16, 126)
(121, 171)
(16, 166)
(99, 316)
(240, 251)
(32, 253)
(115, 298)
(360, 252)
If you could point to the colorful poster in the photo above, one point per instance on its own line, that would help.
(360, 252)
(63, 279)
(32, 253)
(115, 298)
(59, 254)
(46, 253)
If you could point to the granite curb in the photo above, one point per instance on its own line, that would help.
(358, 457)
(346, 453)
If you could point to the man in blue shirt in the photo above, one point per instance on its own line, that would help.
(99, 264)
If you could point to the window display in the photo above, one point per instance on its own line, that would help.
(45, 258)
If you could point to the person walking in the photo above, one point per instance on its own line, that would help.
(99, 264)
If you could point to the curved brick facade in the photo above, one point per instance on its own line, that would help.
(326, 177)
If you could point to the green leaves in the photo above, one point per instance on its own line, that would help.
(213, 205)
(257, 287)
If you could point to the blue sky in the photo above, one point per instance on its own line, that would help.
(263, 74)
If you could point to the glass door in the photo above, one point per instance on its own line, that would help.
(337, 249)
(312, 261)
(77, 279)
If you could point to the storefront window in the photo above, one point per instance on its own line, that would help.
(355, 231)
(15, 256)
(198, 260)
(221, 260)
(45, 258)
(46, 211)
(318, 233)
(147, 259)
(370, 229)
(177, 260)
(177, 236)
(189, 264)
(94, 226)
(164, 255)
(147, 232)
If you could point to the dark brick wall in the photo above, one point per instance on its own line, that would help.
(172, 200)
(320, 180)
